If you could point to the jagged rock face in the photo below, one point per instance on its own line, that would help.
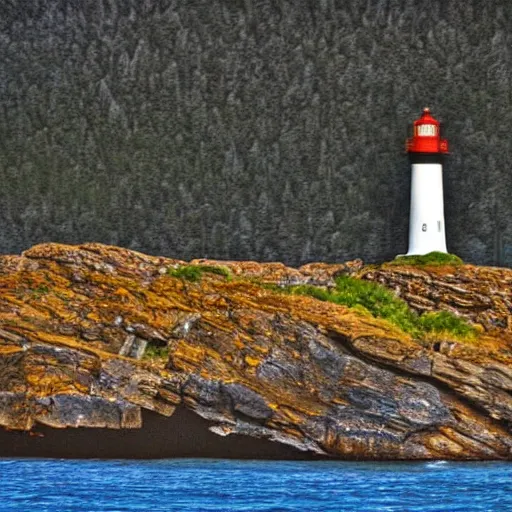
(481, 294)
(307, 374)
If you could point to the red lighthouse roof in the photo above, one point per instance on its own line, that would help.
(426, 137)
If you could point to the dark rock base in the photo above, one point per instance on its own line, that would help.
(182, 435)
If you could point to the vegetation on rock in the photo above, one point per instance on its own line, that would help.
(383, 303)
(446, 322)
(432, 258)
(307, 373)
(194, 273)
(155, 351)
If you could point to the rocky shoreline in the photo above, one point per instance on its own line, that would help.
(104, 352)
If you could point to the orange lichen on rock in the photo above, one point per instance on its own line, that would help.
(92, 334)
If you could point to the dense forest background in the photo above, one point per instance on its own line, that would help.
(251, 129)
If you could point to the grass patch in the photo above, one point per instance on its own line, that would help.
(154, 351)
(194, 273)
(356, 293)
(372, 298)
(432, 258)
(444, 321)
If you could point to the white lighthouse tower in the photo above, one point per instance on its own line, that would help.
(426, 150)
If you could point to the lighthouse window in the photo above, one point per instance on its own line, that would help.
(427, 130)
(424, 227)
(439, 225)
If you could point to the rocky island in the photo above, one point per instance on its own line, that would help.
(106, 352)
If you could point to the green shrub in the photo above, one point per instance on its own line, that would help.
(365, 296)
(444, 321)
(372, 298)
(432, 258)
(379, 301)
(194, 273)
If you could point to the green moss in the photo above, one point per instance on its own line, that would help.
(432, 258)
(187, 272)
(444, 321)
(372, 298)
(154, 351)
(379, 301)
(40, 291)
(194, 273)
(216, 269)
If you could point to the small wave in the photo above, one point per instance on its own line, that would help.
(436, 464)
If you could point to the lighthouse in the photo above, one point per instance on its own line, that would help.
(426, 150)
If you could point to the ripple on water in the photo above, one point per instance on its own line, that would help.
(256, 486)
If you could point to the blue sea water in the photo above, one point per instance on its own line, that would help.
(196, 485)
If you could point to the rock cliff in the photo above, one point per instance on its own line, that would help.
(109, 352)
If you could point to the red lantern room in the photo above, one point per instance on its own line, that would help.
(426, 137)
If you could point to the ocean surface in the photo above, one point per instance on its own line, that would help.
(198, 485)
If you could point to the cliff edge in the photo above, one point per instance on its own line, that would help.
(109, 352)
